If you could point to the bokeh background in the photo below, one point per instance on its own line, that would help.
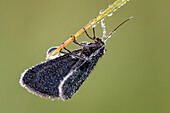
(132, 77)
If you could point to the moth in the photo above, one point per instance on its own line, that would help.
(61, 77)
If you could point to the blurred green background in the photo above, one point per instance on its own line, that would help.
(132, 77)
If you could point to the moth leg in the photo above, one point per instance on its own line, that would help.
(77, 56)
(94, 36)
(83, 56)
(87, 34)
(67, 50)
(72, 54)
(62, 52)
(80, 44)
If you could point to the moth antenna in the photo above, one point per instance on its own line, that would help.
(109, 35)
(104, 30)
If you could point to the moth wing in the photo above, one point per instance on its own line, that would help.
(44, 79)
(78, 75)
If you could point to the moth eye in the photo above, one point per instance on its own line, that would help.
(51, 50)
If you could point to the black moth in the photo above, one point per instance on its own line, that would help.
(61, 77)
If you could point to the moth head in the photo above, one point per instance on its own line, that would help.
(99, 41)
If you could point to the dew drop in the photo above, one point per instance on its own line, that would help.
(110, 5)
(101, 11)
(51, 50)
(110, 14)
(90, 21)
(94, 25)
